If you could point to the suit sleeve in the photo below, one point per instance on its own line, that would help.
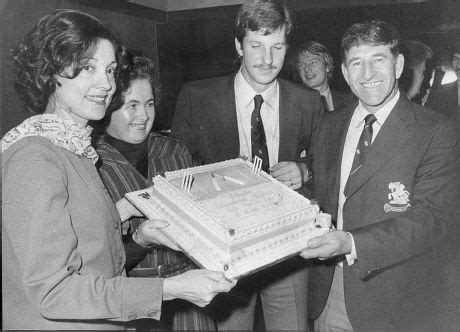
(41, 232)
(183, 127)
(309, 186)
(425, 223)
(318, 110)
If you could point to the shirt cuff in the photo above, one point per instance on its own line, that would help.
(351, 257)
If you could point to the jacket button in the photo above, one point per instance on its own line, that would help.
(151, 313)
(132, 315)
(120, 260)
(117, 226)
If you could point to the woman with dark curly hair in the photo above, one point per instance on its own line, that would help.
(130, 156)
(62, 254)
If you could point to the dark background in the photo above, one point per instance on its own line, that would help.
(196, 44)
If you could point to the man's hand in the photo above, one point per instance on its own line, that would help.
(150, 233)
(196, 286)
(329, 245)
(289, 173)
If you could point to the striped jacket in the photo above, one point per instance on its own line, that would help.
(119, 176)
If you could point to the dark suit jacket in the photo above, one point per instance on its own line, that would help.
(391, 284)
(340, 99)
(205, 119)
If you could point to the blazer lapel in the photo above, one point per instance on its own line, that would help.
(223, 120)
(394, 133)
(335, 138)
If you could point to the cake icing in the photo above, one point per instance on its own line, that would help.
(231, 219)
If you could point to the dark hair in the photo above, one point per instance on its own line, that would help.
(141, 68)
(415, 53)
(265, 16)
(58, 42)
(370, 33)
(316, 48)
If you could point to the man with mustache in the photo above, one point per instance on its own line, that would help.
(217, 120)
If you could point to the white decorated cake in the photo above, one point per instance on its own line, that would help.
(228, 218)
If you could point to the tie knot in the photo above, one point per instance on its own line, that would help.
(369, 120)
(258, 100)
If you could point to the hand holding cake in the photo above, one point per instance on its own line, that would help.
(289, 173)
(329, 245)
(126, 210)
(197, 286)
(149, 234)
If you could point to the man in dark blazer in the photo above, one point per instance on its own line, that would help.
(377, 270)
(315, 65)
(214, 118)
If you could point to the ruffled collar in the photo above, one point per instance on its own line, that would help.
(64, 133)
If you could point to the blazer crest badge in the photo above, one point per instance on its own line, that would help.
(398, 198)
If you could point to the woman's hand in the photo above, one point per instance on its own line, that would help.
(127, 210)
(149, 233)
(196, 286)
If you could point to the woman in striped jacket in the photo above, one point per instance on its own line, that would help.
(130, 156)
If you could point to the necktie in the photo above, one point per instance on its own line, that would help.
(364, 144)
(324, 101)
(258, 140)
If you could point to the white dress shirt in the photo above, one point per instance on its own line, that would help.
(269, 112)
(351, 142)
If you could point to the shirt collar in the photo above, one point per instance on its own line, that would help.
(381, 114)
(245, 93)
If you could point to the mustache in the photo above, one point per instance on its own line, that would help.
(265, 67)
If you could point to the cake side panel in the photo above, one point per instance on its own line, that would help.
(202, 251)
(267, 253)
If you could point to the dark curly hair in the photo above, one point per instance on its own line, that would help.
(141, 67)
(57, 43)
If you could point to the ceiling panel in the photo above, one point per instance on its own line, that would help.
(180, 5)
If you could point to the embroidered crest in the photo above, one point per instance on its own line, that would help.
(399, 198)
